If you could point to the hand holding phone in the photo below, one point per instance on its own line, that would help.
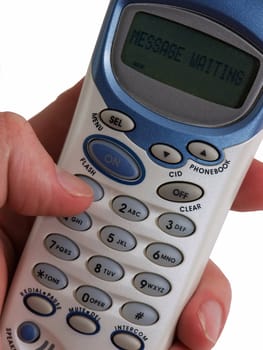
(164, 132)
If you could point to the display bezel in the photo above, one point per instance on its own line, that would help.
(171, 102)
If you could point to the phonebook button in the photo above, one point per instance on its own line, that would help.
(203, 151)
(126, 341)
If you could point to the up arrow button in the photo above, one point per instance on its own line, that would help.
(204, 154)
(203, 151)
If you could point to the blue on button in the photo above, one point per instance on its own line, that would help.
(114, 159)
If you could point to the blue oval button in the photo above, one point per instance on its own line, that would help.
(114, 159)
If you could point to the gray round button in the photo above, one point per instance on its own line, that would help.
(117, 238)
(81, 222)
(176, 225)
(152, 284)
(130, 208)
(105, 268)
(61, 247)
(139, 313)
(50, 276)
(93, 298)
(164, 254)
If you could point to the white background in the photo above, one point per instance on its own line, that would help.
(45, 47)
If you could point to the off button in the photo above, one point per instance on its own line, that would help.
(180, 192)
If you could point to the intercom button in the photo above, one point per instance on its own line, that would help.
(176, 225)
(126, 340)
(50, 276)
(139, 313)
(166, 153)
(117, 238)
(203, 151)
(117, 120)
(130, 208)
(80, 222)
(93, 298)
(61, 247)
(180, 192)
(164, 254)
(105, 268)
(152, 284)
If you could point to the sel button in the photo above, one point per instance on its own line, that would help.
(117, 120)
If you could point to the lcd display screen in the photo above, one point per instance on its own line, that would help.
(189, 60)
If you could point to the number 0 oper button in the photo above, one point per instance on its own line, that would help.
(180, 192)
